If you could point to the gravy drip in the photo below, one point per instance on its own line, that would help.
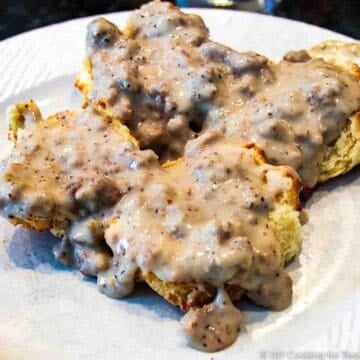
(169, 83)
(213, 327)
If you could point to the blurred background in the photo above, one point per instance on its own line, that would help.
(17, 16)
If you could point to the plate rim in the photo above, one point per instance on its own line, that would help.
(195, 10)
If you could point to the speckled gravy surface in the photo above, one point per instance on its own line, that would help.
(87, 178)
(169, 83)
(121, 214)
(68, 171)
(210, 211)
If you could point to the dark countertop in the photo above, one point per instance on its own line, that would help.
(21, 15)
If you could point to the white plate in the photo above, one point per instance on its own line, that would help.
(49, 311)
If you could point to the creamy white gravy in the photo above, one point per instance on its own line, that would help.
(120, 213)
(210, 211)
(169, 83)
(69, 170)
